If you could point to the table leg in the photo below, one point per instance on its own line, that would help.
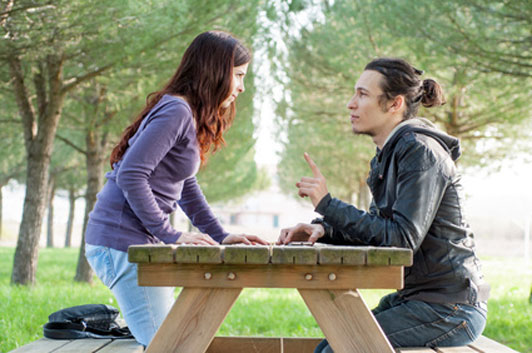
(346, 321)
(193, 321)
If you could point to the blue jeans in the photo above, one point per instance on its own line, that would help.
(414, 323)
(143, 308)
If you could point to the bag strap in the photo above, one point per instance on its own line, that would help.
(71, 330)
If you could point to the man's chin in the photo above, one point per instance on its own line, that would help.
(358, 132)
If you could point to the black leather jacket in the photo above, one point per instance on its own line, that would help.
(417, 204)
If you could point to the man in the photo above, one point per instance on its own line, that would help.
(416, 204)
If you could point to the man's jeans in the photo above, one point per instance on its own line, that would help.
(143, 308)
(413, 323)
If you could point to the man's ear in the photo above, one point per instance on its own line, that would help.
(397, 104)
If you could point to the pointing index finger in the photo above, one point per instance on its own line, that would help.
(312, 165)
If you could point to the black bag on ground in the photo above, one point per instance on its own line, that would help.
(85, 321)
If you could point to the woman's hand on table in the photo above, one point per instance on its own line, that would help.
(301, 232)
(244, 239)
(196, 238)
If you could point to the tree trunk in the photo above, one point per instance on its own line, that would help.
(1, 210)
(70, 222)
(39, 134)
(27, 251)
(95, 164)
(50, 223)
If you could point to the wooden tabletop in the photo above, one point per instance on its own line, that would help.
(241, 266)
(273, 254)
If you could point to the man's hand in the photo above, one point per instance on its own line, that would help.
(196, 238)
(301, 232)
(316, 187)
(244, 239)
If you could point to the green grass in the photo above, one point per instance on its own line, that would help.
(259, 312)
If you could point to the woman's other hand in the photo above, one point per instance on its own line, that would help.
(196, 238)
(244, 239)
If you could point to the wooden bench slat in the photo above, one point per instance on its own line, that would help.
(122, 346)
(300, 345)
(245, 345)
(43, 345)
(487, 345)
(462, 349)
(83, 345)
(228, 344)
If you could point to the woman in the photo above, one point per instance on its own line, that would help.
(154, 167)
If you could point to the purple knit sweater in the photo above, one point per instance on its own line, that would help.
(156, 173)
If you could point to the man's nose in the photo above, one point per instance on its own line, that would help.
(351, 104)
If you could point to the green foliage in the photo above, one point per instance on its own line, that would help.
(12, 152)
(488, 110)
(257, 312)
(490, 36)
(141, 44)
(462, 45)
(509, 312)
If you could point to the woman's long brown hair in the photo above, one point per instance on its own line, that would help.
(204, 78)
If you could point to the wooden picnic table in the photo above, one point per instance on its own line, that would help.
(327, 277)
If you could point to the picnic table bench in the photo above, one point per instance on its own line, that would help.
(212, 277)
(238, 345)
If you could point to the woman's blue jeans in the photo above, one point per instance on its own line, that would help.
(143, 308)
(414, 323)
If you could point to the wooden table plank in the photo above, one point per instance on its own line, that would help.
(192, 322)
(342, 255)
(270, 276)
(335, 310)
(415, 350)
(191, 254)
(389, 256)
(246, 254)
(294, 255)
(152, 253)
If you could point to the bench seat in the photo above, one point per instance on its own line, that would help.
(237, 345)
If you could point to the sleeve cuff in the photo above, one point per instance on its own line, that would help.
(327, 236)
(323, 204)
